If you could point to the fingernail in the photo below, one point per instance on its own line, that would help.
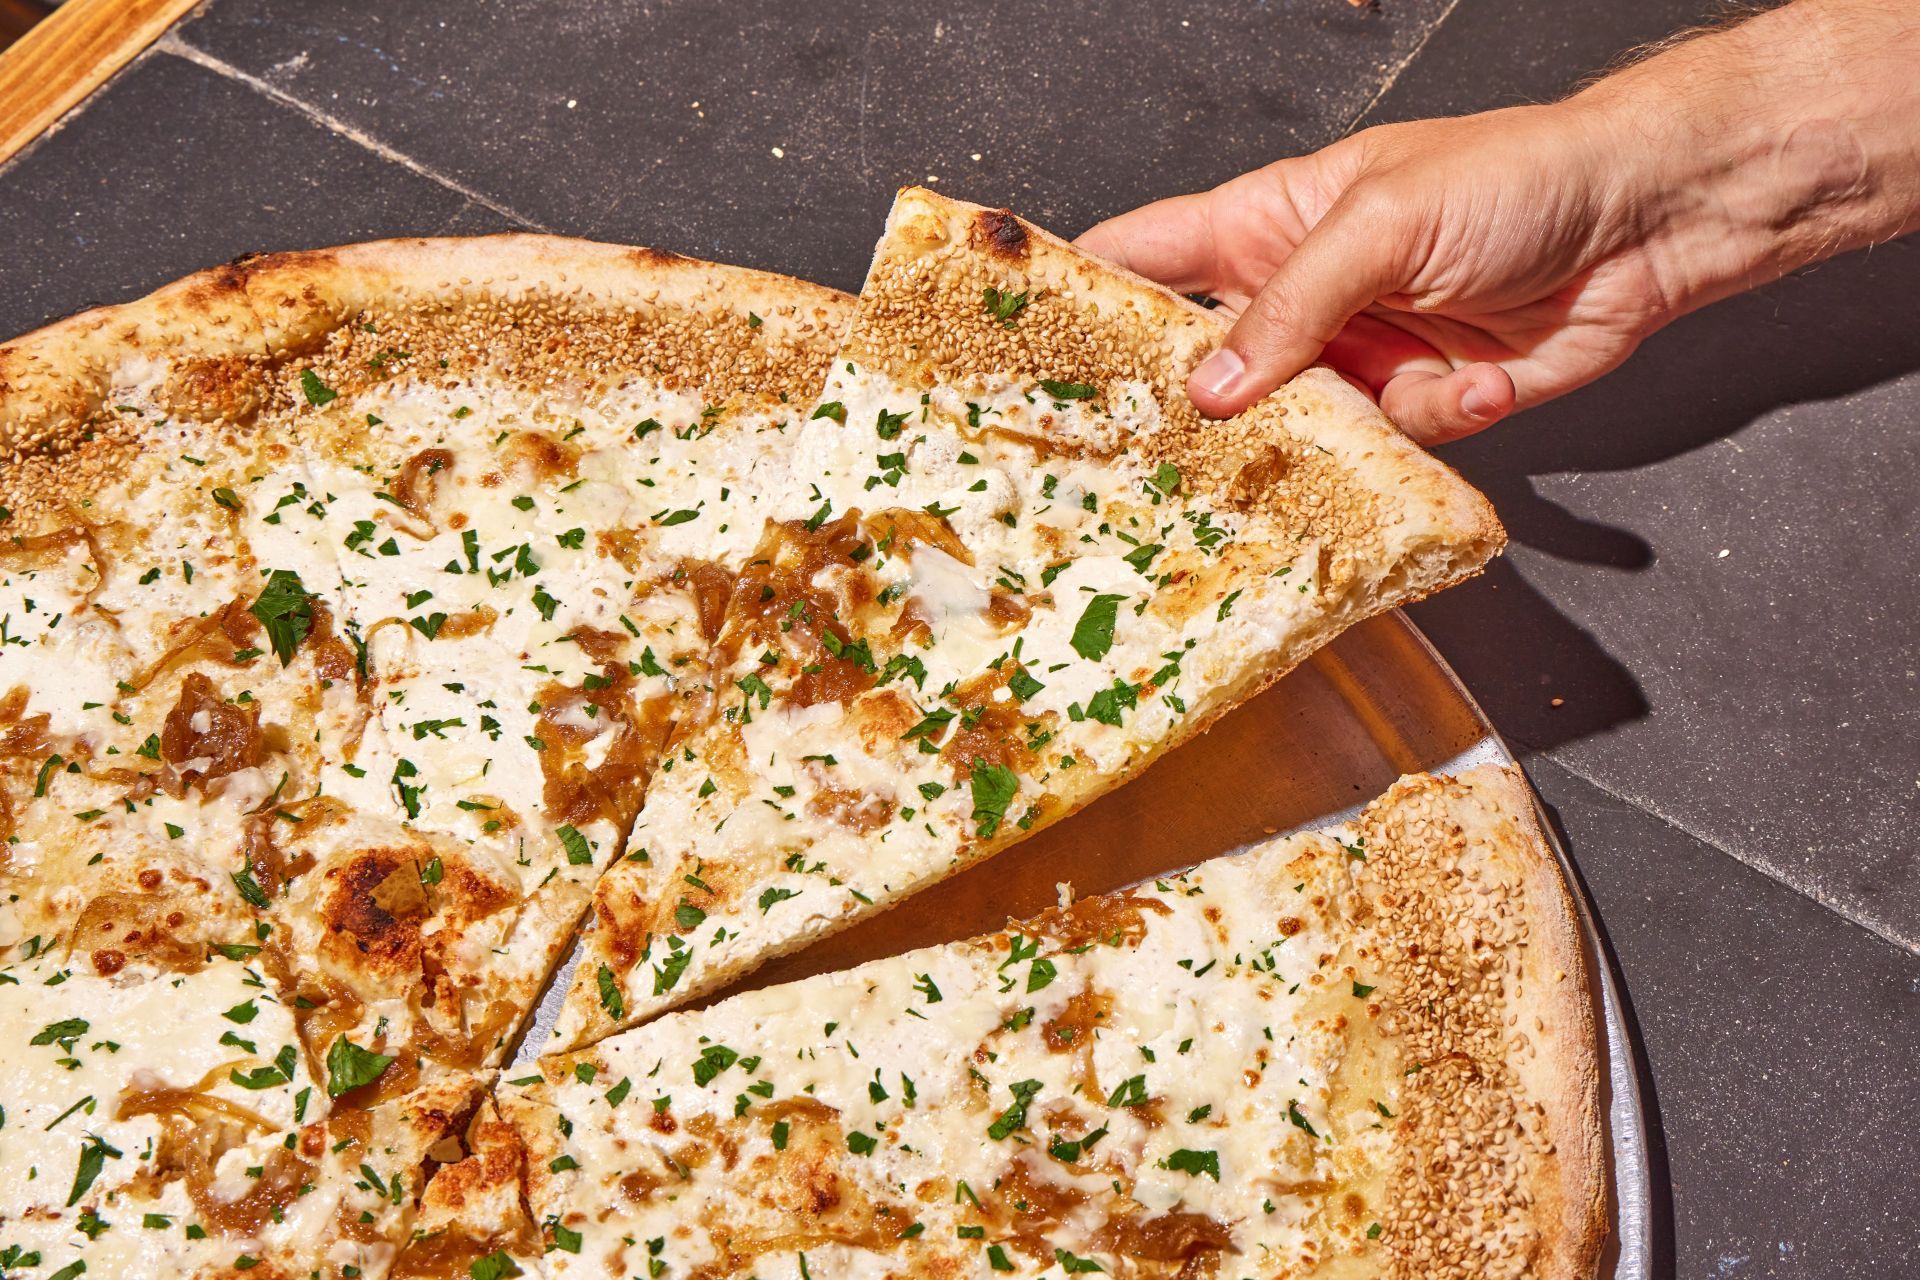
(1219, 372)
(1475, 405)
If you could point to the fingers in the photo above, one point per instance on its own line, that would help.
(1169, 240)
(1434, 408)
(1344, 264)
(1378, 351)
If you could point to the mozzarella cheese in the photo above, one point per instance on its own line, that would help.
(1144, 1078)
(1085, 608)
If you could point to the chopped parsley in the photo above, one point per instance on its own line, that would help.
(285, 609)
(349, 1066)
(1093, 634)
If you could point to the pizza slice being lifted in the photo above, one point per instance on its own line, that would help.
(1010, 565)
(1366, 1052)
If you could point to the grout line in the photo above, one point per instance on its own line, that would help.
(171, 43)
(1393, 74)
(1882, 932)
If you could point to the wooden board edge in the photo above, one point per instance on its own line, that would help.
(53, 67)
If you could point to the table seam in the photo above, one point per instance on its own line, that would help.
(1398, 69)
(1884, 934)
(174, 45)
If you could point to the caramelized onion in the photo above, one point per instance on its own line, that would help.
(206, 737)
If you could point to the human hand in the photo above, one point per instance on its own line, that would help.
(1456, 268)
(1460, 269)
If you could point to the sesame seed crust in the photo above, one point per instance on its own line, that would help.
(1497, 1170)
(1315, 460)
(541, 314)
(222, 351)
(188, 351)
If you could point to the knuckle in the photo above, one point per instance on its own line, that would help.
(1273, 320)
(1373, 201)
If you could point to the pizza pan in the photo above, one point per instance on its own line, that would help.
(1310, 752)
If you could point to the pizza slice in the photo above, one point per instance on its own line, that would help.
(1011, 565)
(530, 481)
(167, 684)
(1361, 1052)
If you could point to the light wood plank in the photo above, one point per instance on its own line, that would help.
(68, 56)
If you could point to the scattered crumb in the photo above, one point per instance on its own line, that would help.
(1557, 702)
(779, 154)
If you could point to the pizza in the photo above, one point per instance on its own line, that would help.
(1360, 1052)
(1013, 566)
(342, 628)
(380, 625)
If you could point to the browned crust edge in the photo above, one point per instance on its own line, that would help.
(1550, 1036)
(301, 296)
(1435, 504)
(54, 380)
(1568, 1084)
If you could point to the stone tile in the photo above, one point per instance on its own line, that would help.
(1715, 574)
(583, 116)
(171, 168)
(1713, 561)
(1782, 1042)
(1503, 55)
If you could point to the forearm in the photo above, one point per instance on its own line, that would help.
(1753, 151)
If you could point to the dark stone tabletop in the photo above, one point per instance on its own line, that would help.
(1704, 641)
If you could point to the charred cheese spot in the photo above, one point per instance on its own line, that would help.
(1000, 234)
(373, 912)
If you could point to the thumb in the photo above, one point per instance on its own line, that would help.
(1341, 266)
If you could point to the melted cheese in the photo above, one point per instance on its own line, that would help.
(1192, 1033)
(1128, 608)
(103, 1039)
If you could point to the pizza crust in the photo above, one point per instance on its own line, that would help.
(1430, 512)
(213, 336)
(1492, 1013)
(1560, 1069)
(300, 298)
(56, 380)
